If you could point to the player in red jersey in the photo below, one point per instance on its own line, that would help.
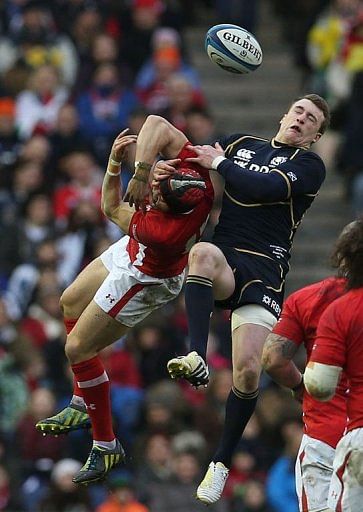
(339, 347)
(297, 325)
(136, 275)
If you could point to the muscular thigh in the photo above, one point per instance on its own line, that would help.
(80, 293)
(258, 280)
(95, 329)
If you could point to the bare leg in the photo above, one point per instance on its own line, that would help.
(79, 294)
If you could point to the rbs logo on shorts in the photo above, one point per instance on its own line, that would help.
(272, 304)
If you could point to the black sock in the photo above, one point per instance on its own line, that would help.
(199, 303)
(239, 409)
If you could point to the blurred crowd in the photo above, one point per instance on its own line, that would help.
(73, 74)
(326, 37)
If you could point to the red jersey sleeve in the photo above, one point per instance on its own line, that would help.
(329, 347)
(289, 324)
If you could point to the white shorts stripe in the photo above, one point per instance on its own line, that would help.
(117, 289)
(313, 471)
(93, 382)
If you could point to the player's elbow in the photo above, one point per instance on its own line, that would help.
(271, 360)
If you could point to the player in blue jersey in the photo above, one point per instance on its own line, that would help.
(269, 185)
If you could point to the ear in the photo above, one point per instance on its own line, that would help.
(283, 117)
(317, 137)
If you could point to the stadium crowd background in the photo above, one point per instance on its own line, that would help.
(73, 73)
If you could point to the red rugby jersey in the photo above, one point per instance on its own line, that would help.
(339, 342)
(298, 322)
(160, 241)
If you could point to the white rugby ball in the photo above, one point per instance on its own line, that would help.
(233, 48)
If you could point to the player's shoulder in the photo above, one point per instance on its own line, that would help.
(327, 289)
(240, 138)
(311, 156)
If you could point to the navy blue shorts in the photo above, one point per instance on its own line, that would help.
(259, 280)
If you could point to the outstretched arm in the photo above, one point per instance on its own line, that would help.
(112, 205)
(277, 362)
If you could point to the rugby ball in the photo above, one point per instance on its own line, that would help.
(233, 48)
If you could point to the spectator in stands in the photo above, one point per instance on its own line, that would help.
(151, 83)
(145, 17)
(63, 495)
(31, 448)
(281, 477)
(87, 23)
(200, 126)
(122, 497)
(181, 98)
(37, 106)
(168, 39)
(104, 108)
(351, 155)
(177, 492)
(104, 50)
(27, 179)
(34, 41)
(37, 224)
(85, 181)
(9, 140)
(49, 266)
(14, 361)
(252, 498)
(67, 136)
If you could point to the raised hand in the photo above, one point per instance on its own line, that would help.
(120, 145)
(163, 169)
(205, 154)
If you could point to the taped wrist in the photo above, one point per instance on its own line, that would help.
(142, 171)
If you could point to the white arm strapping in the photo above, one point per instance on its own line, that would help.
(321, 380)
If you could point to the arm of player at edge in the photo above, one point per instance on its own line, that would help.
(112, 204)
(277, 362)
(267, 187)
(321, 380)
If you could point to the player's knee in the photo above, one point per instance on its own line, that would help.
(69, 301)
(246, 375)
(155, 122)
(73, 349)
(203, 256)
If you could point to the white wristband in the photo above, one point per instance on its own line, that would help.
(114, 162)
(113, 173)
(217, 161)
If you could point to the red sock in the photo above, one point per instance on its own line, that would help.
(69, 323)
(95, 386)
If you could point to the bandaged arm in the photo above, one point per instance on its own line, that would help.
(321, 380)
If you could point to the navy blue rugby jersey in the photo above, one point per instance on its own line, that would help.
(268, 188)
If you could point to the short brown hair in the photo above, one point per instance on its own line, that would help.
(322, 105)
(347, 254)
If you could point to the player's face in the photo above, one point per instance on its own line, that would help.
(157, 200)
(300, 126)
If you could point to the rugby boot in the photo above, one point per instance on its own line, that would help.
(70, 418)
(100, 462)
(211, 487)
(191, 368)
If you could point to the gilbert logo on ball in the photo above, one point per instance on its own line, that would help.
(233, 48)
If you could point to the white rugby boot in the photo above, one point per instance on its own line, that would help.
(191, 368)
(211, 487)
